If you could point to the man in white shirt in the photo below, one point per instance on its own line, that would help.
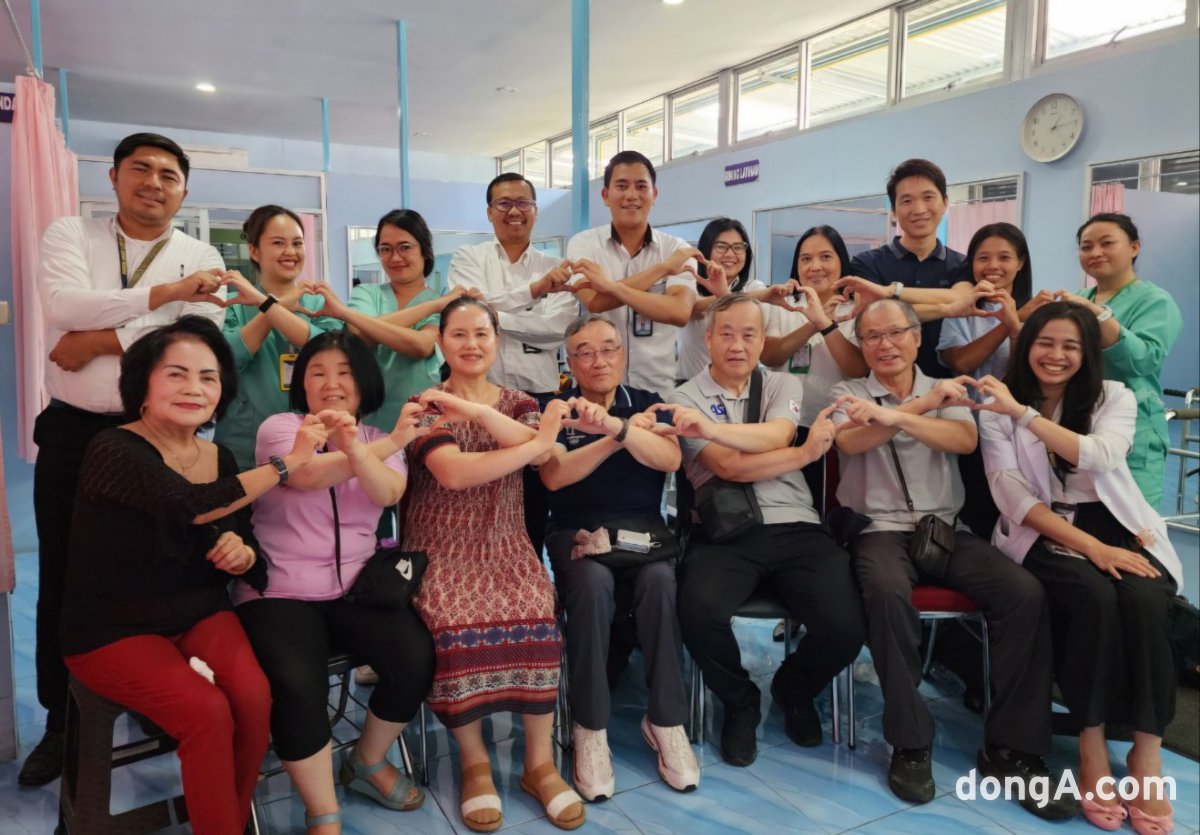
(527, 289)
(103, 283)
(640, 279)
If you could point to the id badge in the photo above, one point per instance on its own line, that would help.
(642, 325)
(530, 349)
(287, 362)
(801, 360)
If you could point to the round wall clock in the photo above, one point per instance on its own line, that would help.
(1052, 127)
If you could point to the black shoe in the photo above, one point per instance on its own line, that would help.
(45, 762)
(738, 744)
(1007, 762)
(800, 718)
(910, 776)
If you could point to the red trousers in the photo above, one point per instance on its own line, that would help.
(222, 730)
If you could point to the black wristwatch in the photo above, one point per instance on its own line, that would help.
(828, 329)
(266, 305)
(280, 468)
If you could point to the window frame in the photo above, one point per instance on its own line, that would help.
(669, 114)
(792, 49)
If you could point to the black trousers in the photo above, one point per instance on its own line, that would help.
(587, 592)
(1112, 645)
(1018, 629)
(62, 434)
(293, 640)
(809, 572)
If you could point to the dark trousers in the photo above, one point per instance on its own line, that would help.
(1112, 644)
(294, 639)
(537, 509)
(812, 576)
(1018, 628)
(587, 592)
(62, 434)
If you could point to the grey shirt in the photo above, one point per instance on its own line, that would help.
(782, 499)
(869, 483)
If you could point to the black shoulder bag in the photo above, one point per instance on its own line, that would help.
(729, 509)
(389, 578)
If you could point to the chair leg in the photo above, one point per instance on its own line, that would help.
(405, 759)
(987, 666)
(850, 730)
(933, 626)
(424, 748)
(836, 718)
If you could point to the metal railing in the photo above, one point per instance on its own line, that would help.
(1186, 518)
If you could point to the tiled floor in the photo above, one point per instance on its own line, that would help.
(787, 790)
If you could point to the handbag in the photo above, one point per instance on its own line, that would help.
(933, 538)
(663, 544)
(388, 579)
(729, 509)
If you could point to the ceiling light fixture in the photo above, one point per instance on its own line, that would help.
(205, 87)
(506, 89)
(672, 2)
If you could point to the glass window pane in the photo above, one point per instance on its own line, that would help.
(1072, 25)
(767, 96)
(644, 129)
(511, 162)
(535, 163)
(952, 42)
(561, 160)
(848, 69)
(694, 118)
(602, 145)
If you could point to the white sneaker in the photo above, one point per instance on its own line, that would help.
(594, 778)
(676, 760)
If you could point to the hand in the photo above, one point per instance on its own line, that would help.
(1068, 296)
(457, 292)
(299, 289)
(863, 412)
(74, 350)
(997, 398)
(823, 431)
(716, 281)
(408, 426)
(450, 407)
(1043, 297)
(343, 430)
(311, 435)
(831, 309)
(677, 261)
(949, 392)
(966, 302)
(686, 422)
(554, 417)
(592, 418)
(198, 287)
(1112, 560)
(813, 309)
(1008, 314)
(781, 295)
(862, 290)
(231, 554)
(594, 277)
(643, 420)
(554, 281)
(247, 293)
(333, 307)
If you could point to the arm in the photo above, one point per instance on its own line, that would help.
(602, 293)
(963, 359)
(1137, 346)
(458, 470)
(739, 466)
(506, 431)
(542, 328)
(690, 422)
(403, 340)
(875, 425)
(651, 450)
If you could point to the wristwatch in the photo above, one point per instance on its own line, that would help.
(897, 288)
(1030, 415)
(266, 305)
(1105, 314)
(828, 329)
(280, 468)
(620, 436)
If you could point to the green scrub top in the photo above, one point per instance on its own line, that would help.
(260, 394)
(402, 376)
(1150, 323)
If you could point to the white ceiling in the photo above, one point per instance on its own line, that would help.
(137, 61)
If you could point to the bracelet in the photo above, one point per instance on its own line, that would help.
(828, 329)
(897, 288)
(1028, 417)
(266, 305)
(620, 436)
(1105, 314)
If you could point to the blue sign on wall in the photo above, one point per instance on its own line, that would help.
(8, 102)
(741, 172)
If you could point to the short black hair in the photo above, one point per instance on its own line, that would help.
(1022, 286)
(709, 237)
(467, 301)
(131, 143)
(252, 229)
(363, 368)
(1125, 222)
(510, 177)
(146, 353)
(916, 167)
(835, 240)
(629, 158)
(415, 225)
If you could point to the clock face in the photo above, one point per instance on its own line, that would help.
(1052, 127)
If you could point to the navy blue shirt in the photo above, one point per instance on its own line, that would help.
(941, 269)
(620, 488)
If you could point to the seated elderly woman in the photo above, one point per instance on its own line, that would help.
(159, 530)
(1055, 440)
(316, 535)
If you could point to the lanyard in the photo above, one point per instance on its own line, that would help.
(126, 281)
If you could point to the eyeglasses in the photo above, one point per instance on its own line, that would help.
(385, 251)
(893, 336)
(586, 357)
(505, 205)
(721, 248)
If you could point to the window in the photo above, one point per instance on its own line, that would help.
(534, 165)
(510, 162)
(848, 69)
(1072, 25)
(767, 96)
(644, 129)
(694, 118)
(952, 42)
(1177, 173)
(602, 144)
(561, 162)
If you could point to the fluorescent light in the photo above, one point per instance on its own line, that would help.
(1182, 183)
(672, 2)
(205, 87)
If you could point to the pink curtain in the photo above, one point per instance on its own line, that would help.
(8, 574)
(44, 188)
(1108, 197)
(311, 250)
(964, 219)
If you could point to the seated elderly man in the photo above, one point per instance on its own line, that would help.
(608, 474)
(783, 547)
(900, 434)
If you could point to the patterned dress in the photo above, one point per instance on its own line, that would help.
(485, 597)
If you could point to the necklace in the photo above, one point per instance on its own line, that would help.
(163, 445)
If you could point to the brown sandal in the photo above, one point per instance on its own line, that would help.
(481, 811)
(564, 807)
